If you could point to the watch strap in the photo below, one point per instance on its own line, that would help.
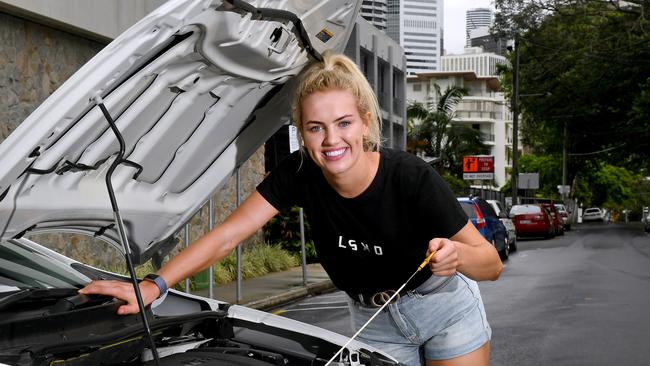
(158, 281)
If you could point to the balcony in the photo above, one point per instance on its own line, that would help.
(477, 114)
(487, 137)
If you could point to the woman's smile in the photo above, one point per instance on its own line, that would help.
(334, 154)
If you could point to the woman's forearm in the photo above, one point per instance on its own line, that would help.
(207, 250)
(479, 262)
(254, 212)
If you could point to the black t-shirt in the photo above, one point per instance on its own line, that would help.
(375, 241)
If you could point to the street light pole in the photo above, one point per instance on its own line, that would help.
(514, 104)
(564, 163)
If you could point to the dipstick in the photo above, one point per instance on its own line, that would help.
(422, 265)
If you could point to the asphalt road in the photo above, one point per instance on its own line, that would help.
(578, 299)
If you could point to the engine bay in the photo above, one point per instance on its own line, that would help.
(60, 327)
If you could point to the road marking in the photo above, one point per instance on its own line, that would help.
(336, 295)
(340, 301)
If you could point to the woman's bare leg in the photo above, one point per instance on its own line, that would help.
(479, 357)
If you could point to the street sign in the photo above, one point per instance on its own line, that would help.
(528, 181)
(470, 164)
(481, 176)
(486, 164)
(293, 138)
(478, 167)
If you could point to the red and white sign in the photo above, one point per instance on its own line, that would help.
(478, 167)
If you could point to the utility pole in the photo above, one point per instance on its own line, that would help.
(564, 163)
(514, 105)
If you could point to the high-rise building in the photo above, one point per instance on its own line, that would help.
(475, 19)
(417, 26)
(376, 12)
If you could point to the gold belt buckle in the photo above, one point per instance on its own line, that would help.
(381, 298)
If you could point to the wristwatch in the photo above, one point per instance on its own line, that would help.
(158, 281)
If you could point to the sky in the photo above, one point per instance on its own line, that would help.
(455, 22)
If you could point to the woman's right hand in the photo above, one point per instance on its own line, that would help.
(123, 291)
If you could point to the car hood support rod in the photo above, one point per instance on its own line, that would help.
(119, 159)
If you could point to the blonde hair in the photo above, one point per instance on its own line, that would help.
(337, 71)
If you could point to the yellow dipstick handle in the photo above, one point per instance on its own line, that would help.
(426, 261)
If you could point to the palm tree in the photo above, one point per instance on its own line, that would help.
(431, 131)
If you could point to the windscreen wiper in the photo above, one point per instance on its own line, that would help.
(34, 294)
(119, 159)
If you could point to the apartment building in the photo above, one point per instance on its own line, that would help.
(484, 108)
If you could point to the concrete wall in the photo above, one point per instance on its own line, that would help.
(99, 19)
(34, 61)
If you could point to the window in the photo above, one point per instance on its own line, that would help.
(417, 87)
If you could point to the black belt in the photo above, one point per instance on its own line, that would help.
(376, 300)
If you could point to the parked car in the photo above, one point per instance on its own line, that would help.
(507, 223)
(593, 214)
(190, 92)
(564, 215)
(532, 220)
(487, 222)
(556, 219)
(646, 219)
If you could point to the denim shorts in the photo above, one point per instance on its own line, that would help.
(442, 319)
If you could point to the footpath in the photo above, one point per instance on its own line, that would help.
(274, 289)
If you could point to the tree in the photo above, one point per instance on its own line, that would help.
(431, 132)
(593, 56)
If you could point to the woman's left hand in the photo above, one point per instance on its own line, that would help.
(445, 261)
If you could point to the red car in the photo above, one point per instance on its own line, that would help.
(532, 220)
(558, 224)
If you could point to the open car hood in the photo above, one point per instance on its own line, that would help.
(194, 88)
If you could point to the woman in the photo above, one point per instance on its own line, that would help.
(375, 215)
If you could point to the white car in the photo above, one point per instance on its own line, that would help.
(507, 222)
(593, 214)
(126, 151)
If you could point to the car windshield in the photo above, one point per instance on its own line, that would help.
(592, 210)
(521, 210)
(468, 207)
(496, 205)
(23, 267)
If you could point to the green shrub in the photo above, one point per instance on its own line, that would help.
(256, 261)
(284, 230)
(459, 186)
